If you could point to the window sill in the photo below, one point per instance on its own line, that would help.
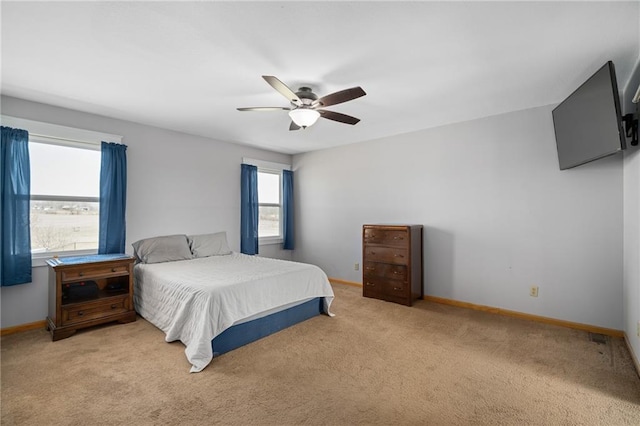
(267, 241)
(40, 259)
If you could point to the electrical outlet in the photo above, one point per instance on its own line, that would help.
(533, 291)
(356, 267)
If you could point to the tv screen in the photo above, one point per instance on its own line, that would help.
(588, 124)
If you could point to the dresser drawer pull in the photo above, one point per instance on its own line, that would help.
(397, 273)
(370, 268)
(113, 269)
(81, 274)
(80, 313)
(398, 238)
(114, 306)
(398, 255)
(370, 284)
(397, 288)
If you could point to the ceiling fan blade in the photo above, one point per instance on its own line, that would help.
(336, 116)
(263, 109)
(294, 126)
(283, 89)
(339, 97)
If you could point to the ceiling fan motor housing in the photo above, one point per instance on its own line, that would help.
(306, 95)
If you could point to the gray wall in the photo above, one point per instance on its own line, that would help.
(631, 267)
(499, 215)
(631, 270)
(177, 183)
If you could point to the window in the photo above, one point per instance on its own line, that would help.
(65, 190)
(65, 186)
(269, 200)
(270, 216)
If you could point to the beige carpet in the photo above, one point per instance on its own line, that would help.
(373, 363)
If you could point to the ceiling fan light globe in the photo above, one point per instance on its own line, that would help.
(304, 117)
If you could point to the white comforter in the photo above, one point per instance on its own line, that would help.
(195, 300)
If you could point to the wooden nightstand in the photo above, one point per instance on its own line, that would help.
(108, 281)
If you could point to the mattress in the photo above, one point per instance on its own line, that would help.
(195, 300)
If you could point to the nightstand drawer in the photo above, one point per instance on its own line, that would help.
(94, 273)
(87, 311)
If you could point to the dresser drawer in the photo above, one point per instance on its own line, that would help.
(373, 287)
(391, 237)
(81, 312)
(383, 288)
(373, 235)
(396, 288)
(394, 237)
(396, 272)
(386, 254)
(94, 273)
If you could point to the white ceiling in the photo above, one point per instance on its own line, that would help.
(186, 66)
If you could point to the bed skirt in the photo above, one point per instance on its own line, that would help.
(242, 334)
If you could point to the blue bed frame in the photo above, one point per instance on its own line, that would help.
(242, 334)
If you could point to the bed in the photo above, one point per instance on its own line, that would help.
(213, 300)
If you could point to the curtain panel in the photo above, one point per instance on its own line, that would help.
(249, 209)
(15, 182)
(113, 198)
(287, 209)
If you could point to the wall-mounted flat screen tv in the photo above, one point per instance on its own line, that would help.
(588, 124)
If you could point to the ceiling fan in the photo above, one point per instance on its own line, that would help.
(305, 105)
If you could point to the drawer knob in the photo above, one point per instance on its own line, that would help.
(80, 313)
(81, 274)
(114, 306)
(398, 238)
(370, 268)
(398, 255)
(397, 288)
(370, 284)
(396, 273)
(113, 269)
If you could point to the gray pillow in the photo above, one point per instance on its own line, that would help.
(206, 245)
(162, 249)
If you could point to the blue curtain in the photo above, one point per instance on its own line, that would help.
(287, 209)
(15, 182)
(249, 209)
(113, 198)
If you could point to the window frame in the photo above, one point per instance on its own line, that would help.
(272, 239)
(42, 256)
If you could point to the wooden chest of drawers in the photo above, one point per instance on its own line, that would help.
(111, 276)
(392, 262)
